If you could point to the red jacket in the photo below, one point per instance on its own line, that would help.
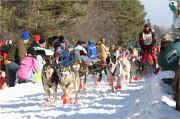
(2, 55)
(2, 82)
(2, 62)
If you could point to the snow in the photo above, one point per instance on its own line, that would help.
(147, 98)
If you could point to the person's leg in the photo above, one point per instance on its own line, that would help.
(155, 59)
(11, 70)
(156, 66)
(150, 59)
(143, 60)
(7, 75)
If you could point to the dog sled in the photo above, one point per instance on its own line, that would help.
(97, 67)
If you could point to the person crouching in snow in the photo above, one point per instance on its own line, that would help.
(28, 66)
(147, 41)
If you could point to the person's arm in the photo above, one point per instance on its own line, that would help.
(141, 41)
(84, 49)
(106, 50)
(154, 39)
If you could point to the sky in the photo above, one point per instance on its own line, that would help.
(158, 12)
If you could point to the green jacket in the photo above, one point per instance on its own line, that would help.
(17, 51)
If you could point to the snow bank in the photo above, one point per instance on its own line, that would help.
(147, 98)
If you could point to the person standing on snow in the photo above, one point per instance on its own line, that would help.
(147, 41)
(35, 43)
(62, 51)
(15, 54)
(81, 52)
(91, 51)
(102, 50)
(112, 51)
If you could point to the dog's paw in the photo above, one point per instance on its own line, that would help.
(47, 99)
(64, 101)
(63, 97)
(75, 102)
(118, 87)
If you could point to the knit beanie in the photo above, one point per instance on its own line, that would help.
(25, 36)
(36, 38)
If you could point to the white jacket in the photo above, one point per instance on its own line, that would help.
(79, 47)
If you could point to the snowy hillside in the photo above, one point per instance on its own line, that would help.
(146, 98)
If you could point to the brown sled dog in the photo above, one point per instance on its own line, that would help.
(70, 82)
(50, 79)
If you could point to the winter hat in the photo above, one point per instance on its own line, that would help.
(61, 39)
(146, 25)
(82, 42)
(25, 36)
(41, 41)
(90, 41)
(36, 38)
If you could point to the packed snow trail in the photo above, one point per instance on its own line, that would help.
(146, 98)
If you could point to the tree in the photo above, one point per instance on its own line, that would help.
(129, 17)
(118, 21)
(44, 17)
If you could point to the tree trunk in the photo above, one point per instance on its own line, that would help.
(32, 11)
(35, 10)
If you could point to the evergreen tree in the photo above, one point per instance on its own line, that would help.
(129, 17)
(44, 17)
(118, 21)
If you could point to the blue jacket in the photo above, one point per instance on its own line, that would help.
(91, 51)
(65, 59)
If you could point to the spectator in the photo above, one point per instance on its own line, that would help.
(112, 51)
(118, 51)
(15, 54)
(71, 52)
(63, 53)
(91, 50)
(81, 52)
(102, 50)
(35, 43)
